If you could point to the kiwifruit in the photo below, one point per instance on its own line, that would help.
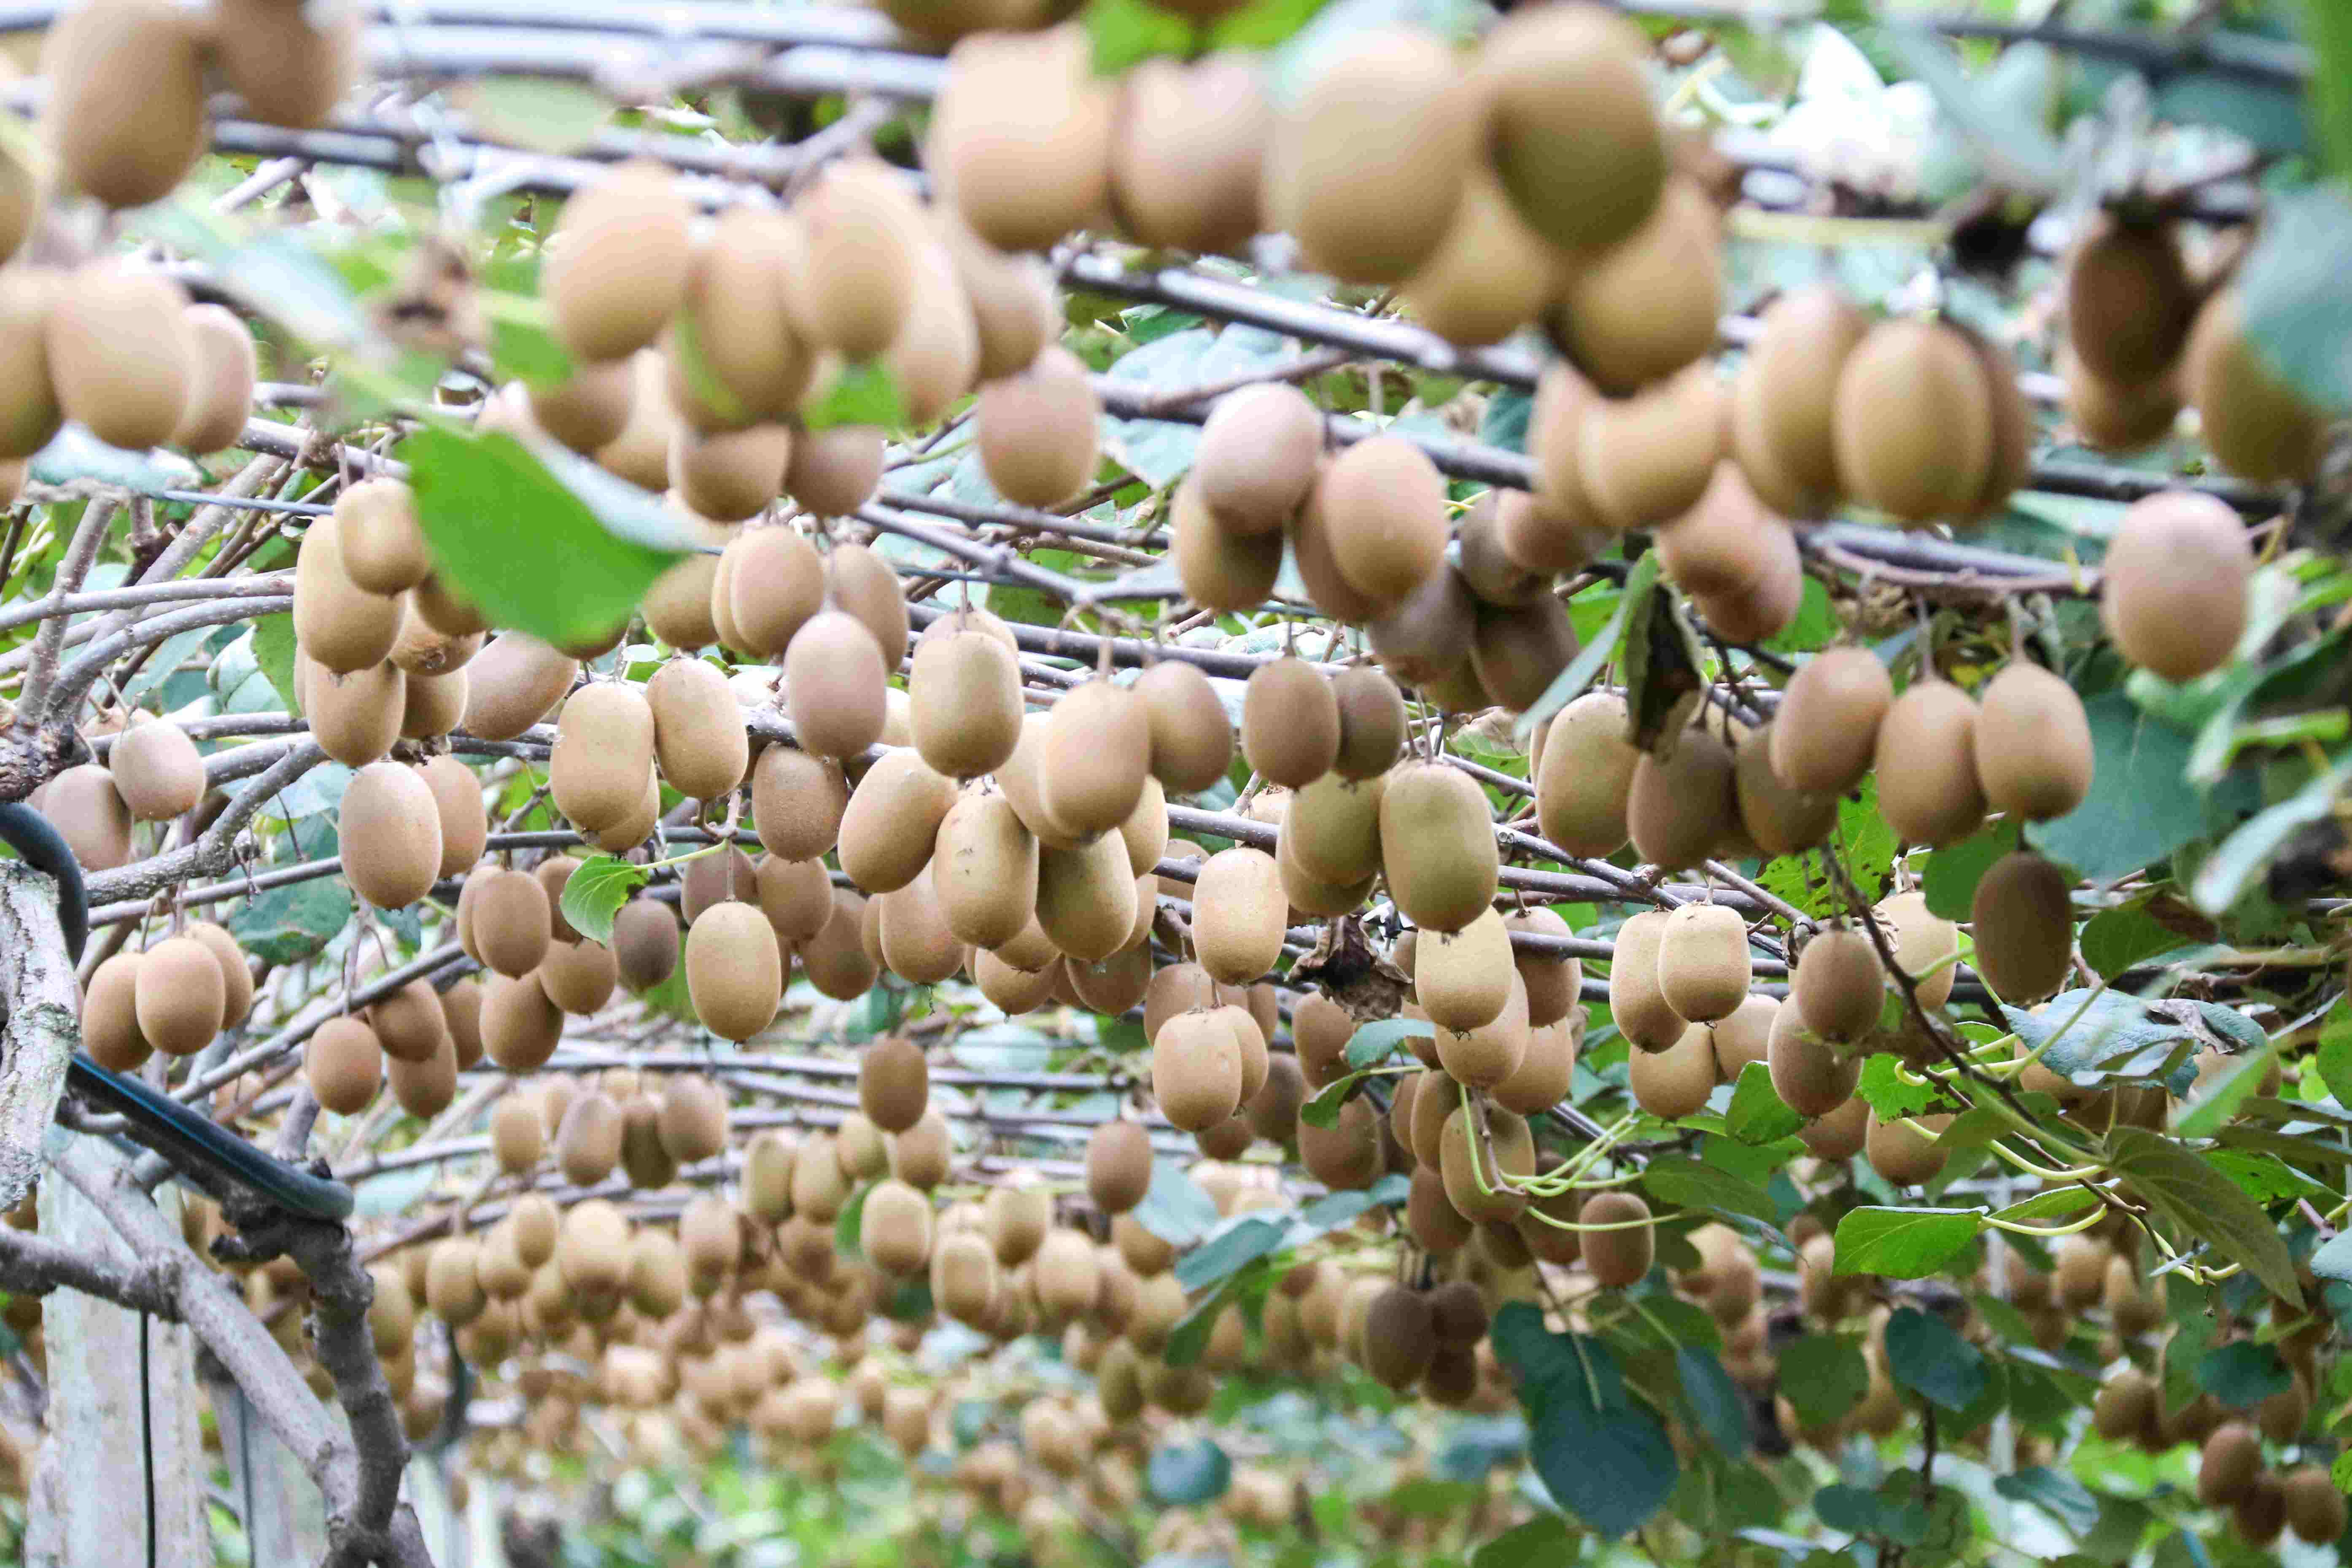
(1493, 1051)
(517, 1136)
(1400, 1336)
(1290, 722)
(1703, 966)
(1257, 457)
(88, 811)
(1065, 1275)
(432, 705)
(1372, 722)
(735, 342)
(453, 1287)
(1584, 775)
(1680, 807)
(237, 978)
(2228, 1464)
(1249, 1038)
(795, 895)
(1384, 507)
(1809, 1074)
(2129, 299)
(984, 869)
(2024, 927)
(1643, 310)
(728, 475)
(965, 698)
(125, 159)
(1636, 1001)
(1437, 845)
(458, 801)
(588, 408)
(1367, 164)
(391, 834)
(343, 1064)
(2114, 417)
(1914, 425)
(834, 680)
(29, 414)
(1021, 135)
(1273, 1110)
(1489, 275)
(833, 471)
(1192, 738)
(1320, 1030)
(2033, 743)
(339, 625)
(1463, 979)
(1331, 832)
(1777, 819)
(1016, 1218)
(774, 581)
(426, 1088)
(2314, 1508)
(1428, 635)
(1196, 1070)
(1507, 1148)
(1096, 751)
(2009, 463)
(578, 976)
(1783, 400)
(110, 1017)
(1517, 652)
(2125, 1407)
(409, 1022)
(1437, 1228)
(604, 745)
(1744, 1037)
(936, 355)
(895, 1228)
(1486, 567)
(892, 820)
(588, 1144)
(1015, 310)
(1346, 1155)
(734, 970)
(678, 607)
(1675, 1082)
(917, 945)
(1646, 459)
(220, 383)
(1554, 985)
(1618, 1257)
(1119, 1165)
(377, 540)
(513, 920)
(1838, 1135)
(618, 263)
(1823, 734)
(1113, 985)
(1569, 125)
(1904, 1154)
(516, 680)
(1219, 570)
(1144, 833)
(642, 1158)
(2256, 423)
(2173, 596)
(1187, 150)
(1037, 431)
(156, 769)
(835, 959)
(1838, 984)
(798, 802)
(1925, 757)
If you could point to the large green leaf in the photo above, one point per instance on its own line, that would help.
(1864, 846)
(1758, 1113)
(1570, 683)
(595, 892)
(2056, 1492)
(1174, 1208)
(1953, 872)
(1373, 1042)
(1718, 1402)
(1542, 1541)
(1925, 1355)
(2297, 313)
(540, 539)
(2202, 1202)
(289, 924)
(1903, 1243)
(1823, 1376)
(1184, 1475)
(1687, 1184)
(1602, 1457)
(1233, 1245)
(2242, 1373)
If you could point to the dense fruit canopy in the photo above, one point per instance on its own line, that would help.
(1259, 782)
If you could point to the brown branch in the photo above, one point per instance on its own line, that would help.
(34, 1265)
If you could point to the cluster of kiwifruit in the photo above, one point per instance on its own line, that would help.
(2146, 332)
(151, 773)
(419, 1038)
(176, 997)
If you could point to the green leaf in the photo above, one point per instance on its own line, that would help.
(273, 650)
(545, 114)
(1505, 423)
(1864, 846)
(289, 924)
(1173, 1208)
(1541, 1542)
(1373, 1042)
(1227, 1250)
(2242, 1373)
(2114, 940)
(2008, 144)
(2335, 1058)
(1570, 683)
(1904, 1243)
(2054, 1492)
(864, 392)
(2084, 1032)
(2340, 1472)
(1953, 871)
(1925, 1355)
(2204, 1116)
(1126, 31)
(1189, 1337)
(2141, 808)
(1718, 1403)
(1323, 1110)
(1758, 1113)
(2297, 314)
(529, 535)
(1823, 1377)
(595, 893)
(1687, 1184)
(1814, 627)
(1181, 1475)
(849, 1235)
(1889, 1096)
(1602, 1458)
(2057, 1203)
(2204, 1203)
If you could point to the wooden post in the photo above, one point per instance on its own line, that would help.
(90, 1486)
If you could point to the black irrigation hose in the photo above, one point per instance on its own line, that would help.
(156, 1119)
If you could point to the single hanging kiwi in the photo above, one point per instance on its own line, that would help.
(1383, 506)
(1839, 984)
(2173, 595)
(2258, 425)
(1437, 843)
(1704, 967)
(1372, 722)
(1925, 758)
(964, 697)
(2031, 743)
(2024, 928)
(834, 675)
(1680, 809)
(618, 263)
(1021, 136)
(1096, 751)
(1188, 150)
(1783, 401)
(1636, 1001)
(1570, 122)
(1290, 722)
(1914, 422)
(1584, 775)
(1646, 307)
(1192, 738)
(1827, 725)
